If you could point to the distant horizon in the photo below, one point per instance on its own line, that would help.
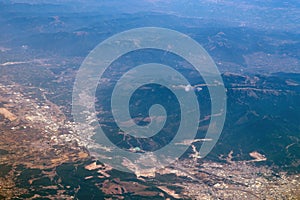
(269, 15)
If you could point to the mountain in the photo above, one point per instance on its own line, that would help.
(45, 154)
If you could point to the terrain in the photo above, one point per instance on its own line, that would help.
(43, 154)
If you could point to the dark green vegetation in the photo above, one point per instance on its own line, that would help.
(263, 117)
(69, 179)
(4, 170)
(3, 152)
